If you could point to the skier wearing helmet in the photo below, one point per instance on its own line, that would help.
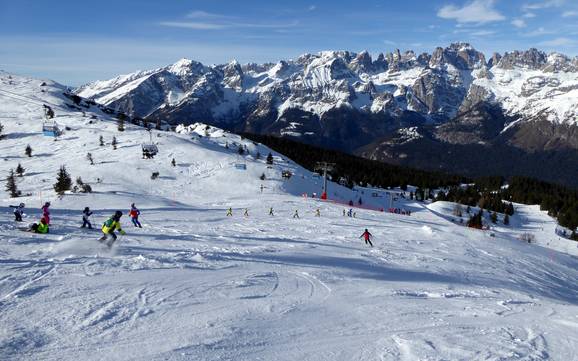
(112, 224)
(134, 213)
(18, 212)
(46, 212)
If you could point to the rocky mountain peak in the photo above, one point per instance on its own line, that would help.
(460, 55)
(533, 59)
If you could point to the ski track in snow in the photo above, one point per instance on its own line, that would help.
(194, 284)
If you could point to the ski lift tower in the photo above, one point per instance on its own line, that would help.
(325, 167)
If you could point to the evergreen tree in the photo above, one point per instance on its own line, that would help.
(174, 162)
(120, 123)
(240, 150)
(63, 181)
(28, 150)
(11, 185)
(114, 143)
(262, 177)
(20, 170)
(475, 221)
(270, 159)
(506, 219)
(494, 217)
(101, 141)
(158, 125)
(89, 158)
(1, 130)
(258, 155)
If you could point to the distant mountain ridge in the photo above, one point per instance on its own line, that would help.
(389, 108)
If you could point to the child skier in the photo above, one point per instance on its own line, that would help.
(317, 212)
(134, 213)
(296, 214)
(41, 227)
(46, 212)
(246, 214)
(86, 218)
(271, 211)
(18, 212)
(112, 224)
(230, 212)
(367, 237)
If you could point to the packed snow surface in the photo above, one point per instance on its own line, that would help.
(195, 284)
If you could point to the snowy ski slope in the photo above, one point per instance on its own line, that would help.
(194, 284)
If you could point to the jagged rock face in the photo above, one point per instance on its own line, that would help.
(531, 59)
(461, 55)
(351, 101)
(494, 60)
(436, 95)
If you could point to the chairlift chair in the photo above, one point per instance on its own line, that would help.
(50, 129)
(149, 150)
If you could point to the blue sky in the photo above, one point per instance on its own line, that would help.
(75, 42)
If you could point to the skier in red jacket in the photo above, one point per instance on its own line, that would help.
(367, 237)
(134, 213)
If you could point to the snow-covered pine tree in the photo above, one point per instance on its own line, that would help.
(1, 130)
(114, 143)
(28, 150)
(270, 159)
(101, 141)
(20, 170)
(241, 150)
(63, 181)
(11, 185)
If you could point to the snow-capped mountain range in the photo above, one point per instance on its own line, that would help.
(353, 102)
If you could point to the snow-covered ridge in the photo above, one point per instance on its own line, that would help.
(433, 85)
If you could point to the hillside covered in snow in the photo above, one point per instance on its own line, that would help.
(196, 284)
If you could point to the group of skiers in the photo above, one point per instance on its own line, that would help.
(367, 237)
(108, 228)
(42, 226)
(271, 213)
(112, 224)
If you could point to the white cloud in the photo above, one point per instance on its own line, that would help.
(570, 13)
(543, 4)
(539, 32)
(220, 25)
(312, 8)
(519, 23)
(482, 33)
(477, 11)
(389, 42)
(193, 25)
(560, 42)
(199, 14)
(529, 15)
